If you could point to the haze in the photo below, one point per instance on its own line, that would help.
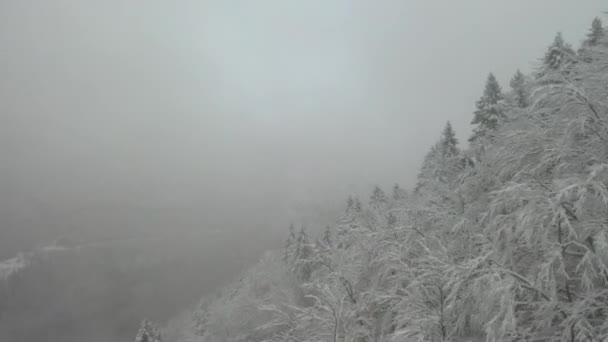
(237, 115)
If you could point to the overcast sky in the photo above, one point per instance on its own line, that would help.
(234, 110)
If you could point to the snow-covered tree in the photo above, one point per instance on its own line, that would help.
(596, 33)
(290, 244)
(300, 253)
(490, 110)
(594, 37)
(520, 93)
(559, 57)
(378, 199)
(439, 170)
(449, 143)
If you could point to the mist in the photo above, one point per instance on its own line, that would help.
(239, 113)
(126, 119)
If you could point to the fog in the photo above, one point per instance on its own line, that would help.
(121, 118)
(239, 113)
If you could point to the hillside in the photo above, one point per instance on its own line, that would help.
(503, 240)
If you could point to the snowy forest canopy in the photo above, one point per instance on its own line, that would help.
(503, 240)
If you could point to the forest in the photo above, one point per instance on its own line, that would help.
(504, 237)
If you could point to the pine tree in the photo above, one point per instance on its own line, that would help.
(301, 242)
(596, 33)
(449, 143)
(289, 244)
(303, 255)
(518, 84)
(440, 168)
(594, 36)
(489, 109)
(378, 198)
(428, 169)
(558, 54)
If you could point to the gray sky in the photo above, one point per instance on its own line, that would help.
(226, 113)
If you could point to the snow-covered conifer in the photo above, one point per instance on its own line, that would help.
(490, 110)
(520, 93)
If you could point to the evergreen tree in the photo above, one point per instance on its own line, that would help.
(303, 255)
(449, 143)
(594, 36)
(378, 198)
(301, 240)
(428, 169)
(440, 168)
(596, 33)
(489, 109)
(558, 54)
(518, 84)
(289, 244)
